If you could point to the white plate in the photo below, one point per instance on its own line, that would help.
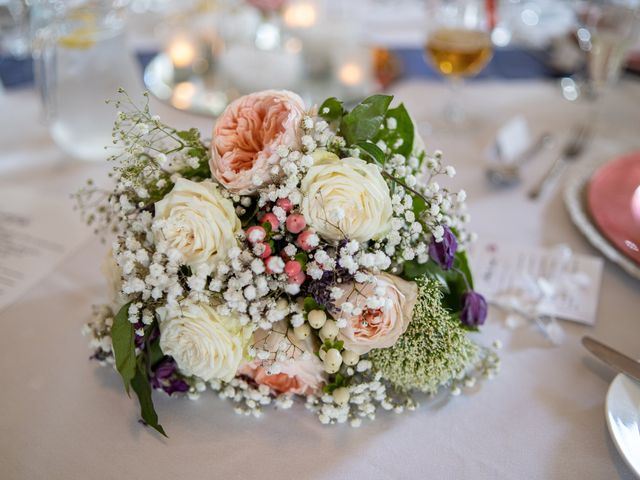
(623, 419)
(575, 201)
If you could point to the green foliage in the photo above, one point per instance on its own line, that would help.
(400, 139)
(140, 385)
(339, 381)
(334, 108)
(364, 121)
(453, 283)
(433, 351)
(133, 370)
(310, 304)
(122, 338)
(329, 344)
(373, 151)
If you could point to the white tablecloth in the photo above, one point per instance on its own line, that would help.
(64, 417)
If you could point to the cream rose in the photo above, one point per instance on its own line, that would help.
(345, 198)
(198, 221)
(376, 327)
(204, 343)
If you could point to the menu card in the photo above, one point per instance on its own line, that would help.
(37, 231)
(555, 281)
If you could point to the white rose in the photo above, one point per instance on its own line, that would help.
(198, 221)
(203, 343)
(345, 198)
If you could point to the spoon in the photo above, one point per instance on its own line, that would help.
(508, 174)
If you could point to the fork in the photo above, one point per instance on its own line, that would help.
(570, 152)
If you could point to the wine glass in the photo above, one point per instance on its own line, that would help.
(458, 45)
(608, 28)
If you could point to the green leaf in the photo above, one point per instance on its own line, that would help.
(373, 151)
(461, 262)
(419, 205)
(122, 337)
(155, 353)
(363, 122)
(268, 228)
(400, 139)
(310, 304)
(191, 135)
(302, 258)
(331, 109)
(140, 385)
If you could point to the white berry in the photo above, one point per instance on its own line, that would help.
(302, 332)
(317, 318)
(329, 330)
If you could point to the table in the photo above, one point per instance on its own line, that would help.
(64, 417)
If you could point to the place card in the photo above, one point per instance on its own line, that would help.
(553, 281)
(37, 231)
(512, 140)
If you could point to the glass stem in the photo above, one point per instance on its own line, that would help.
(454, 111)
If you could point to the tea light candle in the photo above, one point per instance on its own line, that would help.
(350, 74)
(301, 14)
(353, 72)
(182, 51)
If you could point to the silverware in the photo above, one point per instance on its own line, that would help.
(570, 152)
(613, 358)
(504, 175)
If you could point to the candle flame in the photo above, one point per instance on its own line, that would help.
(300, 15)
(181, 52)
(350, 74)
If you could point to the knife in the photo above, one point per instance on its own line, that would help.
(613, 358)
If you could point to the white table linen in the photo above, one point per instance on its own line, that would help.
(64, 417)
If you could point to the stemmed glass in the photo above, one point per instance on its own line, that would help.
(458, 45)
(608, 28)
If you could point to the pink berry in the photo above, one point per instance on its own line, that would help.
(303, 240)
(292, 268)
(274, 265)
(256, 234)
(296, 223)
(299, 278)
(267, 249)
(285, 204)
(272, 219)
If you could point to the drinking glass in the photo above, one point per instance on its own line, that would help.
(608, 28)
(458, 45)
(81, 59)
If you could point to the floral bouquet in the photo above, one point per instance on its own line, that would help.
(300, 253)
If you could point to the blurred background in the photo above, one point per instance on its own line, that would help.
(197, 55)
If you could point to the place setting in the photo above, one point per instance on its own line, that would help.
(320, 239)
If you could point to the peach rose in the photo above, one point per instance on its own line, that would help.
(386, 310)
(301, 372)
(247, 135)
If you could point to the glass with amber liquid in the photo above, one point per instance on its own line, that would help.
(459, 52)
(458, 45)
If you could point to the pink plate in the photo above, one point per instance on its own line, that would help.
(613, 197)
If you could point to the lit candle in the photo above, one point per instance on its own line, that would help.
(301, 14)
(350, 74)
(183, 94)
(182, 52)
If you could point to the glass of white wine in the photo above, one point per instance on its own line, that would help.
(458, 45)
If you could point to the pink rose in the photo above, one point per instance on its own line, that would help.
(386, 310)
(267, 5)
(247, 135)
(301, 372)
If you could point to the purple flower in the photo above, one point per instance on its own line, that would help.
(165, 377)
(443, 252)
(474, 309)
